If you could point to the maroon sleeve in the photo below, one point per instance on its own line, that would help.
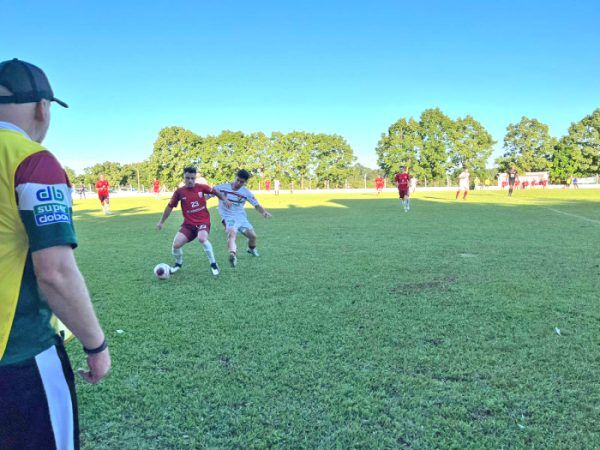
(41, 168)
(175, 199)
(207, 189)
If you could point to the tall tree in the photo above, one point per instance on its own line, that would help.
(174, 149)
(582, 145)
(332, 157)
(471, 145)
(528, 145)
(401, 146)
(436, 131)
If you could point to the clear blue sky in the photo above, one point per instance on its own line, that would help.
(127, 69)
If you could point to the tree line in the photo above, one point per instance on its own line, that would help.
(434, 147)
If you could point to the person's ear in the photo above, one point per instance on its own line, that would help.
(42, 111)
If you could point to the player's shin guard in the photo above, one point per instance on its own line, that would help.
(178, 254)
(465, 195)
(208, 249)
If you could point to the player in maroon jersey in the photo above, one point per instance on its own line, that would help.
(102, 189)
(402, 181)
(379, 184)
(156, 188)
(196, 218)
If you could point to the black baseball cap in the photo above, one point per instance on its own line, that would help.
(28, 83)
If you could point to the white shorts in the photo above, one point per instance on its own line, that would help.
(240, 224)
(463, 185)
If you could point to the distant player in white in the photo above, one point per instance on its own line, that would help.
(234, 218)
(276, 182)
(463, 183)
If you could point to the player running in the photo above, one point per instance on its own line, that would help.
(235, 219)
(463, 183)
(402, 182)
(196, 218)
(102, 190)
(379, 184)
(156, 188)
(513, 177)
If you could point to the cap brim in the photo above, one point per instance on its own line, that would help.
(60, 102)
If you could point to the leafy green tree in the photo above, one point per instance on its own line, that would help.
(111, 170)
(332, 157)
(174, 149)
(436, 130)
(472, 145)
(579, 150)
(401, 146)
(528, 145)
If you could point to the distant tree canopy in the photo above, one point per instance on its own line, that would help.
(300, 156)
(434, 147)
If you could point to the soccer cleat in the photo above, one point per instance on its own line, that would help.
(253, 251)
(232, 259)
(176, 267)
(214, 269)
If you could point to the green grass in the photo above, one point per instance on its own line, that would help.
(359, 326)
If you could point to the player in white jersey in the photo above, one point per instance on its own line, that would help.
(234, 218)
(463, 183)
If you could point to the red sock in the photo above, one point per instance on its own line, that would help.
(465, 194)
(457, 192)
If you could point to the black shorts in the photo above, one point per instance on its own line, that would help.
(38, 406)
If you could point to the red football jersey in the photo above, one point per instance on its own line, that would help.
(193, 203)
(379, 181)
(102, 187)
(402, 179)
(156, 185)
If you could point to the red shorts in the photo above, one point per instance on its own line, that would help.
(191, 231)
(102, 197)
(404, 192)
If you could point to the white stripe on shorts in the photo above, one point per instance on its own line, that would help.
(59, 399)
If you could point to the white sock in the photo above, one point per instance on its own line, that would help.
(178, 254)
(209, 251)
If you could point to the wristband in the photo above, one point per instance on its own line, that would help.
(93, 351)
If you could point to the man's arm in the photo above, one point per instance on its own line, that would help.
(61, 282)
(223, 197)
(165, 216)
(263, 212)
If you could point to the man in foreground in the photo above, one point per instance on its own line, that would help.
(38, 275)
(234, 219)
(196, 218)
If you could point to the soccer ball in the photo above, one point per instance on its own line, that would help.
(162, 271)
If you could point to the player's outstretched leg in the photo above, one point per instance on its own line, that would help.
(251, 235)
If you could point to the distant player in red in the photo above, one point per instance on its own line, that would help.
(196, 218)
(402, 181)
(102, 189)
(156, 188)
(379, 184)
(267, 185)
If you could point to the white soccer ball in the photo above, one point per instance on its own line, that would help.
(162, 271)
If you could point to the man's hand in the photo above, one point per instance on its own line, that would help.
(159, 226)
(267, 215)
(99, 364)
(227, 203)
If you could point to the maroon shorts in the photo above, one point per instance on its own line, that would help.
(403, 192)
(191, 231)
(102, 197)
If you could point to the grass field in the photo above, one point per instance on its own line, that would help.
(359, 326)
